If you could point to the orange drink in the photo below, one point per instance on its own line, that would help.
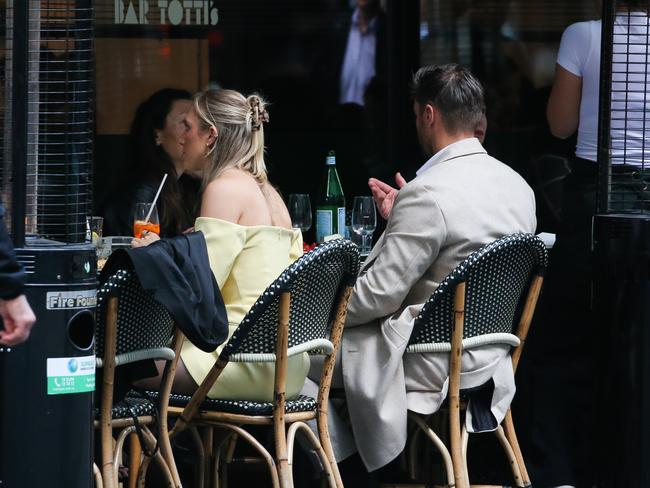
(145, 218)
(140, 225)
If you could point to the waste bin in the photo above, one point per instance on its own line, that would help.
(47, 383)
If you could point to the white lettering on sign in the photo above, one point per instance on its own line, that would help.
(174, 12)
(65, 300)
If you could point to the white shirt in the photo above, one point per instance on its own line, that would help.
(359, 61)
(630, 125)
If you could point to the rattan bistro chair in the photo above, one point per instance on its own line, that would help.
(487, 299)
(132, 326)
(292, 316)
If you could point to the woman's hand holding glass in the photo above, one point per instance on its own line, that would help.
(300, 211)
(364, 220)
(146, 239)
(146, 225)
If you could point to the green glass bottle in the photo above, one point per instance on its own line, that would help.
(330, 210)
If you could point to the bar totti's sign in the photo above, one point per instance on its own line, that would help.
(166, 12)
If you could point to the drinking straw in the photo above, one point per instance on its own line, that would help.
(155, 199)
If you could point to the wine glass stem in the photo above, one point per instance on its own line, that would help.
(365, 243)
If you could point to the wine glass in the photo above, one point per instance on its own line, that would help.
(145, 218)
(364, 220)
(300, 211)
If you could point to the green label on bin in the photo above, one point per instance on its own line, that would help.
(70, 375)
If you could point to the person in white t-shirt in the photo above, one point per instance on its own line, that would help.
(558, 406)
(573, 104)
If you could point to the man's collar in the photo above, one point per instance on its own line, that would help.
(456, 149)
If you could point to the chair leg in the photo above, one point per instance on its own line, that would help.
(206, 438)
(315, 443)
(106, 406)
(200, 454)
(326, 444)
(454, 387)
(516, 474)
(216, 482)
(412, 449)
(444, 452)
(465, 441)
(168, 455)
(456, 445)
(109, 476)
(98, 477)
(135, 451)
(150, 440)
(227, 459)
(219, 438)
(242, 433)
(511, 435)
(117, 450)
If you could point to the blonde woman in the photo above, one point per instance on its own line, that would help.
(247, 230)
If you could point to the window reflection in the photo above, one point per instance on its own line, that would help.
(512, 47)
(291, 51)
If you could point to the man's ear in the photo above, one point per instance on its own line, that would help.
(430, 114)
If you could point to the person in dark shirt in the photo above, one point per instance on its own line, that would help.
(156, 141)
(17, 315)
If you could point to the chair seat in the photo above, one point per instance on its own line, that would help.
(301, 403)
(130, 406)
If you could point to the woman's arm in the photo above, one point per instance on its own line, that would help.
(563, 110)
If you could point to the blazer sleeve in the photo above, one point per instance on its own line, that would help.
(414, 234)
(12, 276)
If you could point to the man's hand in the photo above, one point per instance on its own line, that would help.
(18, 319)
(385, 194)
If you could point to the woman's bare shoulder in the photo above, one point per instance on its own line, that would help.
(233, 182)
(228, 196)
(279, 213)
(236, 175)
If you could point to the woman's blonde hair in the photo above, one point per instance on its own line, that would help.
(240, 132)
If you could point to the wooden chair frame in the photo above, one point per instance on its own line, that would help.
(285, 425)
(456, 461)
(111, 448)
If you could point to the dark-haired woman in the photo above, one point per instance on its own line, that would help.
(156, 142)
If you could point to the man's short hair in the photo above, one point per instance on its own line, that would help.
(454, 91)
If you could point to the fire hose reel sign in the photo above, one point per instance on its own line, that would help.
(68, 300)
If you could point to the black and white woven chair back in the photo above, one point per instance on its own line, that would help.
(142, 322)
(315, 281)
(496, 277)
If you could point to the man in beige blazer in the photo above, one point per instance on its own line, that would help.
(460, 200)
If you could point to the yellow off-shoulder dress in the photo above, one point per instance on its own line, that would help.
(245, 260)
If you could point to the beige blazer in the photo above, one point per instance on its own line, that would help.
(462, 201)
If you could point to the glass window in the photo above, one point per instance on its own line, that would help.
(511, 45)
(291, 51)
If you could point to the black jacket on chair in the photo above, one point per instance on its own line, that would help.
(177, 273)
